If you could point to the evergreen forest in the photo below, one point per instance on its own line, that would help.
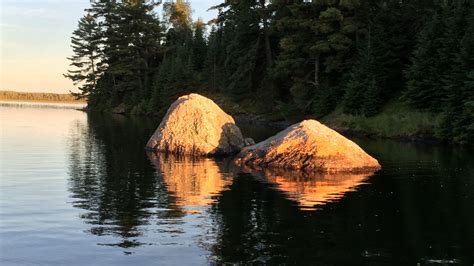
(286, 59)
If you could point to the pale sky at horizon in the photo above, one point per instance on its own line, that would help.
(35, 38)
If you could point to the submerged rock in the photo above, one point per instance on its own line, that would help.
(308, 145)
(195, 125)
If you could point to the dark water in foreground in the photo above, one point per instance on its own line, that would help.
(80, 190)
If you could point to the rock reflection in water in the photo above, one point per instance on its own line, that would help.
(194, 183)
(311, 190)
(135, 202)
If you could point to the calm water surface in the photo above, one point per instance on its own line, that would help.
(78, 189)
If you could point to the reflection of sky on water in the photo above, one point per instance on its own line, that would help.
(126, 202)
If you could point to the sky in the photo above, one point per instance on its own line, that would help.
(35, 41)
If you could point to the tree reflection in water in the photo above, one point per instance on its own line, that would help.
(137, 200)
(111, 179)
(418, 206)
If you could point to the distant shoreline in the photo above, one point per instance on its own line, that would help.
(39, 97)
(41, 102)
(60, 105)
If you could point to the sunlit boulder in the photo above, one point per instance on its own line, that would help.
(195, 125)
(311, 146)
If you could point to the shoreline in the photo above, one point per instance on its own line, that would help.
(345, 131)
(259, 120)
(262, 120)
(71, 105)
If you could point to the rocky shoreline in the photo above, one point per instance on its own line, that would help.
(262, 120)
(346, 131)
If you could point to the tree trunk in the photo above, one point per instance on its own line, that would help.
(268, 48)
(94, 74)
(140, 74)
(214, 70)
(316, 71)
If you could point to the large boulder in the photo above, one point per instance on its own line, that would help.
(195, 125)
(308, 145)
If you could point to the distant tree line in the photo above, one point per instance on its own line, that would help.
(297, 57)
(37, 97)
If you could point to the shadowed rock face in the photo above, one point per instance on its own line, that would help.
(195, 125)
(308, 145)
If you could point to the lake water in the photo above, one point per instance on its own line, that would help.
(78, 189)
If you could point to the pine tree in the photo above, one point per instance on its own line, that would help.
(136, 52)
(302, 57)
(131, 40)
(87, 58)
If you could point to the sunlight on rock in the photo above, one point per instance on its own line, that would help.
(195, 125)
(308, 145)
(193, 182)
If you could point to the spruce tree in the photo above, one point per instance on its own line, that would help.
(178, 73)
(241, 24)
(317, 37)
(377, 74)
(199, 46)
(214, 72)
(458, 116)
(433, 56)
(362, 82)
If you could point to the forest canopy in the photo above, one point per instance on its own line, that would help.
(287, 57)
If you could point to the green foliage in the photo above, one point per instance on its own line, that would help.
(317, 39)
(440, 77)
(394, 121)
(377, 73)
(87, 59)
(130, 42)
(458, 115)
(286, 58)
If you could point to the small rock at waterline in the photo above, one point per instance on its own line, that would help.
(195, 125)
(249, 142)
(308, 145)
